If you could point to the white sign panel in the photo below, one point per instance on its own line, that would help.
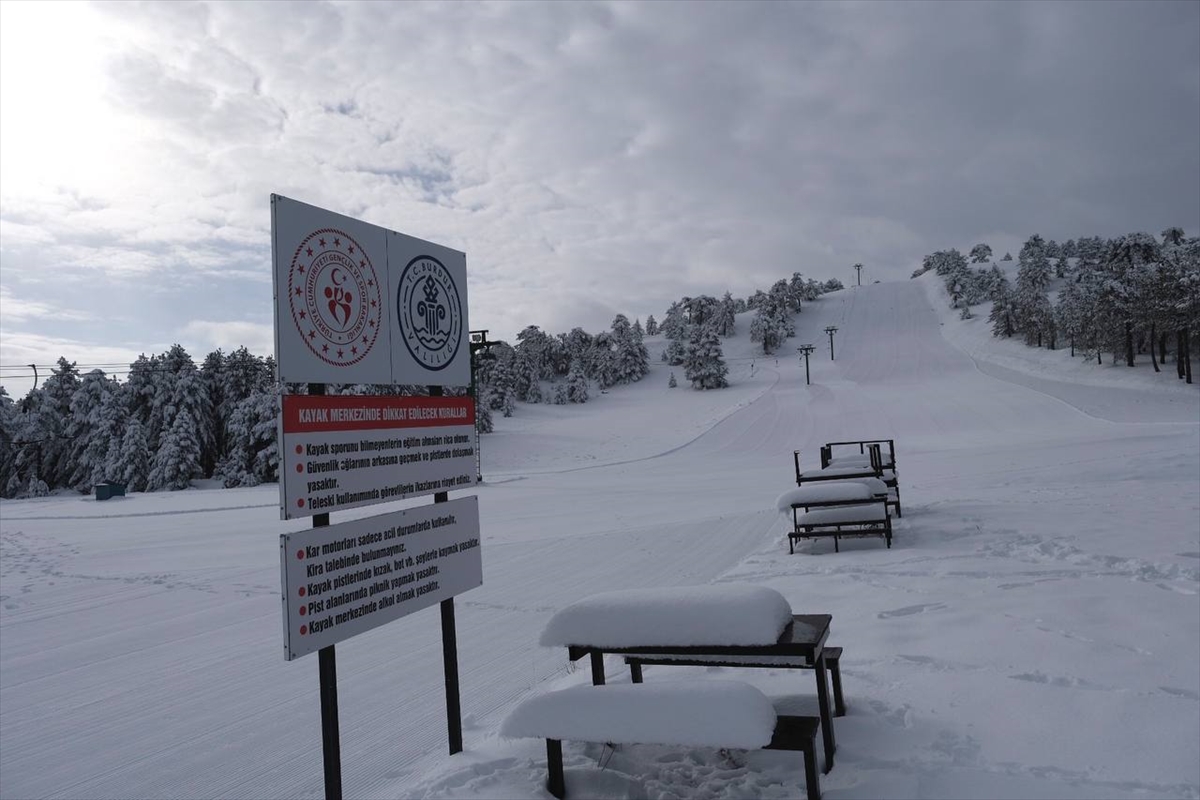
(346, 451)
(429, 328)
(357, 303)
(332, 315)
(342, 580)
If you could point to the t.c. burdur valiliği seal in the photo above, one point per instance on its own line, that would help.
(334, 296)
(431, 312)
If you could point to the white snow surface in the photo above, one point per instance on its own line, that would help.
(702, 713)
(875, 485)
(1034, 632)
(825, 492)
(679, 616)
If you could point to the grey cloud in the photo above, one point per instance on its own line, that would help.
(195, 109)
(596, 158)
(142, 84)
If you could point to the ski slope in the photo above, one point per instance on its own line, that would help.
(1034, 632)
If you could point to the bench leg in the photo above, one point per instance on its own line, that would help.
(835, 544)
(826, 715)
(811, 781)
(597, 668)
(839, 702)
(556, 785)
(635, 672)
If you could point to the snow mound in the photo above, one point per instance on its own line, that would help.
(695, 713)
(679, 616)
(832, 491)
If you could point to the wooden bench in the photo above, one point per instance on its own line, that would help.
(718, 714)
(833, 657)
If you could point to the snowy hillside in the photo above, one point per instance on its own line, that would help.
(1033, 632)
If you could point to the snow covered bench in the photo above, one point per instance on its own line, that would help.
(837, 509)
(703, 623)
(718, 714)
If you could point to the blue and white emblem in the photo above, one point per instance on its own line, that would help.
(431, 312)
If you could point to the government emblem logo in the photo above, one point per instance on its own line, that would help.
(335, 297)
(431, 312)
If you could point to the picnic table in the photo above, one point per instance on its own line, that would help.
(872, 463)
(803, 638)
(836, 509)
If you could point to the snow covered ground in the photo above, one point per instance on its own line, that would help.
(1033, 632)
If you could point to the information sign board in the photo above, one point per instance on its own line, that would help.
(357, 303)
(345, 451)
(342, 580)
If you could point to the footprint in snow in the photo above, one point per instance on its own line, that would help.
(900, 717)
(1062, 682)
(910, 610)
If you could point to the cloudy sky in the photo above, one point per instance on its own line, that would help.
(590, 159)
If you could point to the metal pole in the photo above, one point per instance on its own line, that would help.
(555, 785)
(858, 269)
(450, 669)
(478, 343)
(831, 330)
(331, 747)
(475, 399)
(449, 649)
(806, 350)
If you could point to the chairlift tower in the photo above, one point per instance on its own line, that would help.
(479, 344)
(806, 350)
(831, 330)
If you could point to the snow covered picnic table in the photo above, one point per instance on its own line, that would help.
(869, 463)
(707, 713)
(701, 625)
(836, 509)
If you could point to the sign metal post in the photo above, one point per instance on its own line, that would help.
(449, 649)
(360, 304)
(331, 745)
